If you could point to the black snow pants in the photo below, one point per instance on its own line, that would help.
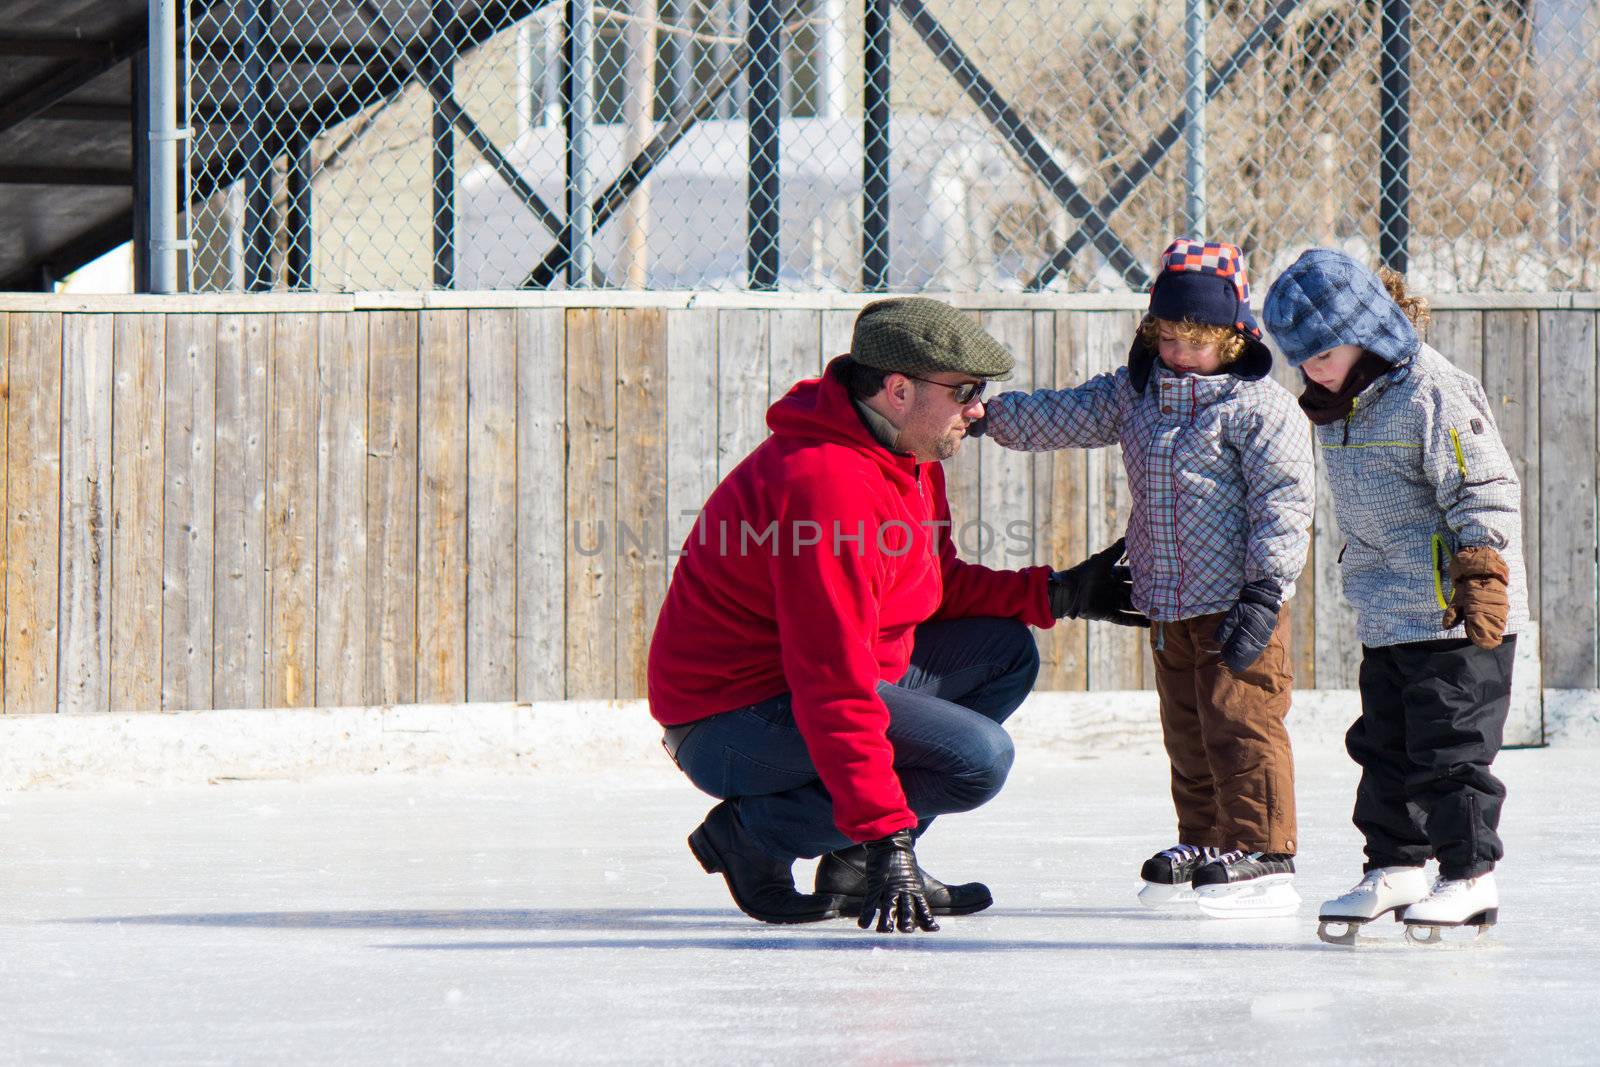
(1433, 714)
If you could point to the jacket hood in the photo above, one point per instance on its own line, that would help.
(820, 410)
(1253, 363)
(1326, 299)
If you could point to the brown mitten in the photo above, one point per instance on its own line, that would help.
(1479, 576)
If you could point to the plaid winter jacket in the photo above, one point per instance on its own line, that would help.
(1417, 471)
(1219, 467)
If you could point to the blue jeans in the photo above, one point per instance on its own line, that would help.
(966, 678)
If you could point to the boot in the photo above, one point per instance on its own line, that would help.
(843, 874)
(762, 886)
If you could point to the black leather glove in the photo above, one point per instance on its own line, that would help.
(978, 426)
(1097, 589)
(895, 893)
(1245, 630)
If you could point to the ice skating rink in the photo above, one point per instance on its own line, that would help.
(559, 918)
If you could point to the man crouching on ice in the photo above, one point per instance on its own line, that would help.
(825, 664)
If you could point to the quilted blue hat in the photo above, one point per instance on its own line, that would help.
(1326, 299)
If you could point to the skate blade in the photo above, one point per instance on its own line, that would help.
(1258, 902)
(1155, 895)
(1346, 933)
(1471, 931)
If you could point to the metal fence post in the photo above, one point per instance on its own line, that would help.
(1194, 114)
(442, 70)
(875, 148)
(258, 212)
(578, 59)
(1394, 110)
(763, 208)
(157, 131)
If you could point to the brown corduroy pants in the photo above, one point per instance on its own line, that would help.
(1232, 767)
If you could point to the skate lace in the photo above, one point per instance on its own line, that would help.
(1449, 887)
(1179, 853)
(1232, 856)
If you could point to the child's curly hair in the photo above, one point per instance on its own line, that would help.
(1415, 307)
(1229, 341)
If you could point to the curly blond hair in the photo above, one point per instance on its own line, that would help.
(1229, 341)
(1415, 307)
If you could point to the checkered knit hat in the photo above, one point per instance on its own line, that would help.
(1326, 299)
(1204, 281)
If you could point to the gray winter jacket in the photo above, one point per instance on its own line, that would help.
(1219, 467)
(1417, 471)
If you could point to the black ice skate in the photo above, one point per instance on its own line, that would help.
(1167, 875)
(1249, 885)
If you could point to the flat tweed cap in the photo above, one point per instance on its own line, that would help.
(918, 336)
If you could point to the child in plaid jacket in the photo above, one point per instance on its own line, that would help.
(1430, 508)
(1220, 468)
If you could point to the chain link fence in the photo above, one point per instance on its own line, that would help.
(898, 145)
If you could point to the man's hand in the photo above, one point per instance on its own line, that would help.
(1098, 589)
(978, 426)
(1479, 576)
(1246, 629)
(895, 893)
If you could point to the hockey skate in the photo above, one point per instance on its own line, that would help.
(1454, 904)
(1247, 885)
(1381, 891)
(1169, 873)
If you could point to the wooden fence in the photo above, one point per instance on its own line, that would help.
(281, 501)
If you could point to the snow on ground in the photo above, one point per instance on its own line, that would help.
(557, 916)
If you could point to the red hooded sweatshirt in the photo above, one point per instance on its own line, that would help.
(810, 568)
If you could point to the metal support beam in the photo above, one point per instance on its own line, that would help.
(442, 76)
(297, 214)
(1159, 145)
(55, 84)
(48, 175)
(763, 214)
(1394, 114)
(259, 221)
(875, 148)
(139, 90)
(1035, 155)
(161, 146)
(578, 113)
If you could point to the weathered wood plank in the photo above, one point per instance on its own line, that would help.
(341, 509)
(641, 487)
(292, 512)
(1567, 578)
(837, 326)
(442, 507)
(592, 502)
(491, 504)
(742, 361)
(1061, 508)
(963, 488)
(85, 667)
(541, 503)
(1116, 653)
(1005, 504)
(33, 511)
(1511, 381)
(188, 600)
(796, 348)
(391, 653)
(244, 350)
(1458, 336)
(5, 483)
(691, 420)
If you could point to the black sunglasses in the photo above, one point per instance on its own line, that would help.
(964, 392)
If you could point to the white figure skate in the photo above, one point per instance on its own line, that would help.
(1454, 903)
(1247, 885)
(1381, 891)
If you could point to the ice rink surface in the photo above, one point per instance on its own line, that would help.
(558, 918)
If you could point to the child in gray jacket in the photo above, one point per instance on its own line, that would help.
(1219, 465)
(1430, 508)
